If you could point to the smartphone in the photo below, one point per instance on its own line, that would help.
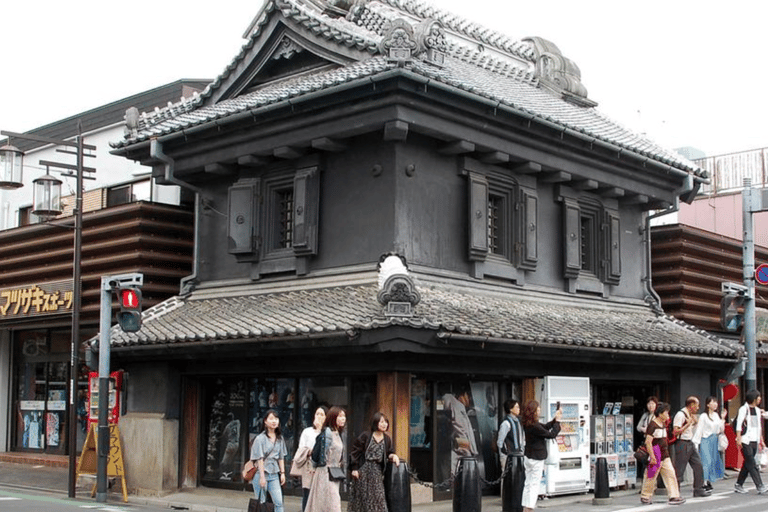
(558, 405)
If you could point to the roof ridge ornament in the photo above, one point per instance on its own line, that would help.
(399, 42)
(430, 35)
(559, 73)
(397, 291)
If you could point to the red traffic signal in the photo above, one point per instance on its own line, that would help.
(129, 316)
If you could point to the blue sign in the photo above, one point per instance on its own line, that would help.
(761, 274)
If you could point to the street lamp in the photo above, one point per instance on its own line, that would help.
(46, 196)
(10, 167)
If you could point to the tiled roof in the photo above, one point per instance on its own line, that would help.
(482, 74)
(444, 308)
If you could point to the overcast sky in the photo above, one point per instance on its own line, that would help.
(686, 73)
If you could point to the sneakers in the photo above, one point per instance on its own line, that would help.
(701, 493)
(762, 490)
(739, 489)
(676, 501)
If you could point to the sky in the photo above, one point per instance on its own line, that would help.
(683, 72)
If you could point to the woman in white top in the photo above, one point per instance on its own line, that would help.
(304, 451)
(650, 406)
(710, 425)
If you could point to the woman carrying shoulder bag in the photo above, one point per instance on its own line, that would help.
(368, 457)
(324, 494)
(269, 452)
(708, 428)
(302, 458)
(536, 436)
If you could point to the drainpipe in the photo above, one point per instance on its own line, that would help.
(156, 151)
(653, 297)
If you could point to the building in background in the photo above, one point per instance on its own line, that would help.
(131, 223)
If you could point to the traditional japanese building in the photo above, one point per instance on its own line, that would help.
(398, 207)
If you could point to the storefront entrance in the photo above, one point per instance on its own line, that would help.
(40, 399)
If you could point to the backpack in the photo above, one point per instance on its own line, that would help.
(671, 437)
(318, 450)
(743, 425)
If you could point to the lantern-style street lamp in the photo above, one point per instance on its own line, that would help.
(10, 167)
(46, 196)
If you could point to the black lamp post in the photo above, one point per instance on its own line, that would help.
(50, 190)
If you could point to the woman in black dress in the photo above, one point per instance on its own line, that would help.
(368, 458)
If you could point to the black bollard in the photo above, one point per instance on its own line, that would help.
(397, 483)
(602, 490)
(512, 485)
(466, 487)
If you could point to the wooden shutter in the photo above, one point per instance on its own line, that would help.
(572, 238)
(528, 228)
(243, 222)
(306, 199)
(478, 216)
(611, 247)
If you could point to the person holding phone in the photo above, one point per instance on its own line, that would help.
(536, 436)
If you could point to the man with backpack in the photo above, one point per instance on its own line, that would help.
(511, 445)
(684, 425)
(748, 435)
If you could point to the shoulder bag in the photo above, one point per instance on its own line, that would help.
(336, 474)
(641, 454)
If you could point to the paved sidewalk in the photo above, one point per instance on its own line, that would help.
(55, 480)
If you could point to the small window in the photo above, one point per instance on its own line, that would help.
(496, 225)
(119, 195)
(283, 204)
(589, 242)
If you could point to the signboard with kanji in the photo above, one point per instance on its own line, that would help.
(35, 300)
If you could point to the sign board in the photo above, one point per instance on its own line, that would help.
(113, 407)
(761, 274)
(36, 300)
(89, 458)
(761, 325)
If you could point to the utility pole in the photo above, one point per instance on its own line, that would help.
(753, 201)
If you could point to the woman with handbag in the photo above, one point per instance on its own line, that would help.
(301, 466)
(269, 452)
(708, 429)
(536, 436)
(368, 458)
(324, 494)
(659, 462)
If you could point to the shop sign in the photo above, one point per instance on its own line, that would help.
(36, 300)
(761, 324)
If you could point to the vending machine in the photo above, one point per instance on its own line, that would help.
(570, 474)
(610, 434)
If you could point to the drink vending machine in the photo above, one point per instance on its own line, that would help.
(570, 474)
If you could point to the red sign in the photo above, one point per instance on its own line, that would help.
(113, 407)
(761, 274)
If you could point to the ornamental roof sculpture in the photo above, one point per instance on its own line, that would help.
(369, 38)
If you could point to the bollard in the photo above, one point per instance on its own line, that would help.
(466, 486)
(602, 490)
(512, 485)
(397, 483)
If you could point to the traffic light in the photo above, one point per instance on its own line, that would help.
(730, 316)
(129, 316)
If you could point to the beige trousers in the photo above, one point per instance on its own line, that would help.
(667, 472)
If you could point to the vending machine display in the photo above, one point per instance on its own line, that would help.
(571, 473)
(610, 434)
(597, 441)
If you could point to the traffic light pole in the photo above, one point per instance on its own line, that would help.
(109, 284)
(748, 252)
(753, 201)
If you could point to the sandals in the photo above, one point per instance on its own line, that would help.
(646, 501)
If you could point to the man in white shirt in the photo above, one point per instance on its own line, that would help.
(684, 426)
(748, 435)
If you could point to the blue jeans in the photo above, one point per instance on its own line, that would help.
(273, 487)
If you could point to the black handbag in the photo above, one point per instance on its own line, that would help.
(255, 505)
(641, 454)
(336, 473)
